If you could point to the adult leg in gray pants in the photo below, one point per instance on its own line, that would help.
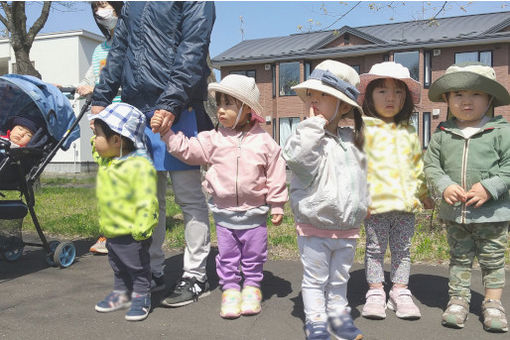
(188, 194)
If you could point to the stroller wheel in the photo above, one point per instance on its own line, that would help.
(49, 257)
(14, 250)
(65, 253)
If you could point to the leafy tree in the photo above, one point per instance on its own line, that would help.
(15, 21)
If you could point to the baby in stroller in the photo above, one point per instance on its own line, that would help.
(20, 131)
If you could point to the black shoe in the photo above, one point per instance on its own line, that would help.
(186, 291)
(157, 283)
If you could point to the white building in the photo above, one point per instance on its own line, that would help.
(61, 58)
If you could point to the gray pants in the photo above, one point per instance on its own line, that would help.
(188, 194)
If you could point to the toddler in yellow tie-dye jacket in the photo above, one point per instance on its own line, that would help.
(397, 185)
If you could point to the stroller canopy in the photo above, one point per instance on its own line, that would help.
(27, 96)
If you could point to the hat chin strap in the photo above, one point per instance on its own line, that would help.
(336, 111)
(238, 117)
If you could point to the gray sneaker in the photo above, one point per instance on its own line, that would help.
(186, 291)
(455, 314)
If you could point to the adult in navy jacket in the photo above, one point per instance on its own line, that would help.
(159, 58)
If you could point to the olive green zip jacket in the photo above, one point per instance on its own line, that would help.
(484, 157)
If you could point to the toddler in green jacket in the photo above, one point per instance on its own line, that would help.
(468, 163)
(127, 204)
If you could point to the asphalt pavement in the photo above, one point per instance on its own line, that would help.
(42, 302)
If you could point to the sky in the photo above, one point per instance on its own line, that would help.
(238, 20)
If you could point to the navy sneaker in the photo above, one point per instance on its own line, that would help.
(140, 307)
(114, 301)
(317, 331)
(342, 327)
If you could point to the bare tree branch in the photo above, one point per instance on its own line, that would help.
(343, 15)
(439, 12)
(39, 23)
(7, 10)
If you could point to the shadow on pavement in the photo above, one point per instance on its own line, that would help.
(34, 258)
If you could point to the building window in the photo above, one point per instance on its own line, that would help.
(386, 57)
(413, 120)
(308, 70)
(347, 38)
(411, 60)
(287, 127)
(274, 128)
(273, 70)
(356, 67)
(248, 73)
(485, 57)
(426, 129)
(427, 68)
(289, 76)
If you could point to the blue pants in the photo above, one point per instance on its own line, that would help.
(130, 261)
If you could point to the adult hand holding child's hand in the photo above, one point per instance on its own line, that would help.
(166, 119)
(453, 194)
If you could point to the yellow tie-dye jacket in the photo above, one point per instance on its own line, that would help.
(395, 167)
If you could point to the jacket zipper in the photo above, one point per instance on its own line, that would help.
(237, 165)
(465, 152)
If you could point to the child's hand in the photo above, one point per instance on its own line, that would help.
(156, 121)
(453, 194)
(276, 219)
(312, 113)
(477, 195)
(428, 203)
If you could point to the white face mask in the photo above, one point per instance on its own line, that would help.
(106, 18)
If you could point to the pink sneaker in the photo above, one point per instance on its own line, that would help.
(375, 307)
(401, 301)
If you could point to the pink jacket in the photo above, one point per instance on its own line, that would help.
(244, 171)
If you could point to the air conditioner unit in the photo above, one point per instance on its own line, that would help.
(267, 67)
(436, 52)
(268, 119)
(436, 112)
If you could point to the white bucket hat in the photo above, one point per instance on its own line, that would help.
(390, 69)
(334, 78)
(125, 120)
(243, 88)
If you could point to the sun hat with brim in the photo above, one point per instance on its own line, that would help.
(242, 88)
(390, 69)
(334, 78)
(125, 120)
(472, 76)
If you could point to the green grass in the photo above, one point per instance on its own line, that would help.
(67, 206)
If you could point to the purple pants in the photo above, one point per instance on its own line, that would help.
(248, 248)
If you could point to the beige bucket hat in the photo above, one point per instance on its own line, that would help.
(469, 76)
(334, 78)
(242, 88)
(390, 69)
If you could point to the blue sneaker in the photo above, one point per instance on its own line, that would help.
(342, 328)
(114, 301)
(317, 331)
(140, 307)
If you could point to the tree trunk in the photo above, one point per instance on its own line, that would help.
(24, 65)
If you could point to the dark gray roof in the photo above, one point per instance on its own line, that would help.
(378, 36)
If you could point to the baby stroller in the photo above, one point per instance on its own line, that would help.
(29, 97)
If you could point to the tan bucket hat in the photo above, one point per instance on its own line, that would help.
(469, 76)
(243, 88)
(390, 69)
(334, 78)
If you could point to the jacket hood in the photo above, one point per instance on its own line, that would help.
(374, 121)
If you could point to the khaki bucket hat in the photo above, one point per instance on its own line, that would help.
(242, 88)
(469, 76)
(334, 78)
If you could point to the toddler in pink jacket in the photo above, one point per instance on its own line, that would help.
(245, 179)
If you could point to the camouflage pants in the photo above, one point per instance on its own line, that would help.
(486, 241)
